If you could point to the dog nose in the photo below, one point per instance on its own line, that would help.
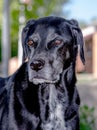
(37, 65)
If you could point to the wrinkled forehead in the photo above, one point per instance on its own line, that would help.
(48, 30)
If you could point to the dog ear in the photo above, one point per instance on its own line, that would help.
(78, 37)
(24, 37)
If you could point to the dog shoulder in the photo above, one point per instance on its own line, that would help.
(6, 85)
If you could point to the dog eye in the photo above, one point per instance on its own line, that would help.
(30, 43)
(54, 43)
(57, 42)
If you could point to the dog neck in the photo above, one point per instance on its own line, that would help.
(53, 99)
(52, 103)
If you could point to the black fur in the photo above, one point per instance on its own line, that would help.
(42, 94)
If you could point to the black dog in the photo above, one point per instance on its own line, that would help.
(42, 94)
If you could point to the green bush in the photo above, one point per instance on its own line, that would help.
(87, 119)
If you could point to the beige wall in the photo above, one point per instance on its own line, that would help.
(95, 55)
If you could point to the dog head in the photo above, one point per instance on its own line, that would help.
(50, 44)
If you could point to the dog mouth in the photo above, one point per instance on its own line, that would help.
(40, 80)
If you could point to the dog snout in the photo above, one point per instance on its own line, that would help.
(37, 64)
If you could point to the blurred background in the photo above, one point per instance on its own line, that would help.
(14, 15)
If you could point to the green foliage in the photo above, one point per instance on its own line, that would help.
(41, 8)
(87, 119)
(14, 23)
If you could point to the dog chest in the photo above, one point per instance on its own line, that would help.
(56, 112)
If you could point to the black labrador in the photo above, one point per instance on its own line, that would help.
(42, 94)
